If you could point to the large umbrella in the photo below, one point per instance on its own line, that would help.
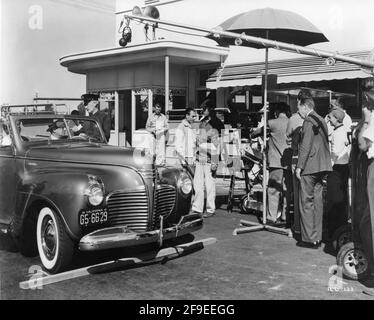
(272, 24)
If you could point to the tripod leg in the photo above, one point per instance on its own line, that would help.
(248, 186)
(231, 194)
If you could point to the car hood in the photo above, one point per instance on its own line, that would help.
(90, 153)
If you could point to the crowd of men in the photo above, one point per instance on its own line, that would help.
(306, 155)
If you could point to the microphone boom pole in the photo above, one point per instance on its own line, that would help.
(367, 65)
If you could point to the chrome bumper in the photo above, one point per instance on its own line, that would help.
(121, 236)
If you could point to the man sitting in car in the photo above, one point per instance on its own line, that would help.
(57, 130)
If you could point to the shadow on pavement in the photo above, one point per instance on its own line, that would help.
(84, 259)
(7, 243)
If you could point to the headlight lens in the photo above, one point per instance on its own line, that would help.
(185, 183)
(95, 191)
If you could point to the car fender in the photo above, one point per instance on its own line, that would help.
(170, 176)
(64, 190)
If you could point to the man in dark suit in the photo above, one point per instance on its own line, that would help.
(91, 103)
(313, 164)
(279, 163)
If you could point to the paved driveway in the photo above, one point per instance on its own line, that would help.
(259, 265)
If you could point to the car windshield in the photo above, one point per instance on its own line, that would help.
(50, 129)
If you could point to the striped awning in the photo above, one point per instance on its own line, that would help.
(288, 71)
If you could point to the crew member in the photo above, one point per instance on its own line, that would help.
(313, 164)
(207, 159)
(158, 125)
(185, 137)
(279, 158)
(337, 180)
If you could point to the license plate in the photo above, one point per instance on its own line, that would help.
(94, 217)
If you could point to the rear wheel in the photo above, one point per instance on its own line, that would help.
(54, 245)
(341, 236)
(248, 205)
(353, 260)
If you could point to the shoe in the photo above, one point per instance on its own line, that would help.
(208, 214)
(309, 245)
(295, 231)
(270, 223)
(195, 212)
(274, 223)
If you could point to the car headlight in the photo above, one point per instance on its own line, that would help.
(95, 191)
(185, 183)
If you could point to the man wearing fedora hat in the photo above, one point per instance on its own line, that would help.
(91, 104)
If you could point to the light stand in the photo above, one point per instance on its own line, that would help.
(248, 226)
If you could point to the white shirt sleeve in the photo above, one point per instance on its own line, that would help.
(339, 150)
(179, 141)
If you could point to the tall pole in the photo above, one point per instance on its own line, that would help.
(167, 83)
(264, 174)
(116, 119)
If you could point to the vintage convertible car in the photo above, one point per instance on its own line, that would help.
(63, 188)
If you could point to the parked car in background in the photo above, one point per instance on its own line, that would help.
(62, 188)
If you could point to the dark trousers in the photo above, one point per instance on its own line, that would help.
(296, 211)
(311, 206)
(337, 198)
(367, 221)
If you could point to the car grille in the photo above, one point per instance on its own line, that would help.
(129, 208)
(164, 202)
(148, 174)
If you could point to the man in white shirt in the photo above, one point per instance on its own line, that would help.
(185, 137)
(347, 121)
(337, 180)
(158, 125)
(340, 146)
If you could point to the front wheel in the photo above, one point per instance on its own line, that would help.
(54, 245)
(353, 260)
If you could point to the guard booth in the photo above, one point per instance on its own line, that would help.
(135, 77)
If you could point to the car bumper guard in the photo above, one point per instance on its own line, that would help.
(121, 236)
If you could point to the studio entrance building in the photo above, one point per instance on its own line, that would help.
(132, 79)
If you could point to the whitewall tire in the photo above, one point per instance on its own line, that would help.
(54, 245)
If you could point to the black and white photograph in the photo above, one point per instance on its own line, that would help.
(193, 153)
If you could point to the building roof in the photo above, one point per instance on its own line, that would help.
(288, 71)
(179, 53)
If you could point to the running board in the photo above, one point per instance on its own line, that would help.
(43, 278)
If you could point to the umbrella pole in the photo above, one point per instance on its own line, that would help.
(248, 226)
(264, 174)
